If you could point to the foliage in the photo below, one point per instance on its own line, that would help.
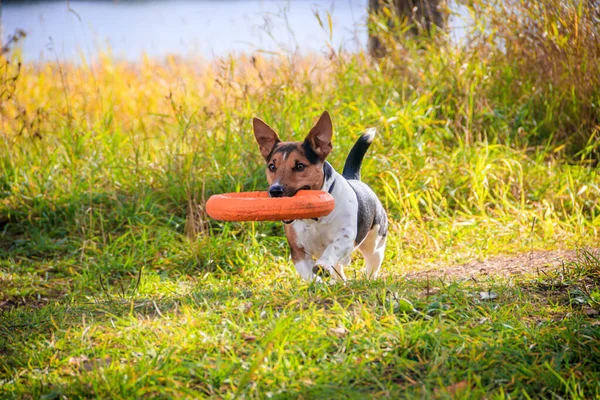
(113, 283)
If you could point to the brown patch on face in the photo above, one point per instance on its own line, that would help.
(298, 253)
(289, 167)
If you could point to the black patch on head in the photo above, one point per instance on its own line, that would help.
(284, 148)
(271, 153)
(327, 170)
(310, 154)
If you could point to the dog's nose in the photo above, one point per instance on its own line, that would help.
(276, 191)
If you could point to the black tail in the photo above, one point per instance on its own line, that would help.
(355, 158)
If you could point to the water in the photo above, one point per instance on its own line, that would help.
(184, 27)
(207, 28)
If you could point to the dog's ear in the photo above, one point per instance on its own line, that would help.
(265, 136)
(319, 137)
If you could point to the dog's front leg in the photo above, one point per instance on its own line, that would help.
(305, 268)
(337, 253)
(302, 261)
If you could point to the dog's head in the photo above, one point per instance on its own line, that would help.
(294, 166)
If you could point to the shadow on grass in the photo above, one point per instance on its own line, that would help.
(440, 334)
(76, 246)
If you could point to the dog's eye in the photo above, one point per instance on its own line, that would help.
(300, 167)
(272, 167)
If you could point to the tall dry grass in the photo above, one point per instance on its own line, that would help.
(473, 143)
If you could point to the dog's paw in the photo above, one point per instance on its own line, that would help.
(326, 271)
(321, 271)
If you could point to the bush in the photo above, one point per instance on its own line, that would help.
(527, 73)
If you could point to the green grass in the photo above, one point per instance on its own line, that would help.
(115, 284)
(225, 334)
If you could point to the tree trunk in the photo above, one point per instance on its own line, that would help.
(422, 14)
(375, 46)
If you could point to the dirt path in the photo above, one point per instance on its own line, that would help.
(529, 262)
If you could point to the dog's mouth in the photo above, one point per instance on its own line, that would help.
(297, 190)
(288, 193)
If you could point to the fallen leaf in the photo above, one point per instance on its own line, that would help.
(83, 362)
(487, 295)
(590, 312)
(339, 331)
(248, 338)
(98, 363)
(78, 360)
(430, 291)
(456, 387)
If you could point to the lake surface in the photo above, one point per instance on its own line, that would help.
(57, 29)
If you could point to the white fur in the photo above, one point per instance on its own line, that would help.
(330, 239)
(372, 249)
(370, 134)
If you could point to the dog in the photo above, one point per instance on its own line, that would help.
(358, 219)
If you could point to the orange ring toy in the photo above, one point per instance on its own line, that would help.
(258, 206)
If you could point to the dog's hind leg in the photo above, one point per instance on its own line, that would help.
(373, 249)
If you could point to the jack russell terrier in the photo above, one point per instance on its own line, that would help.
(358, 219)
